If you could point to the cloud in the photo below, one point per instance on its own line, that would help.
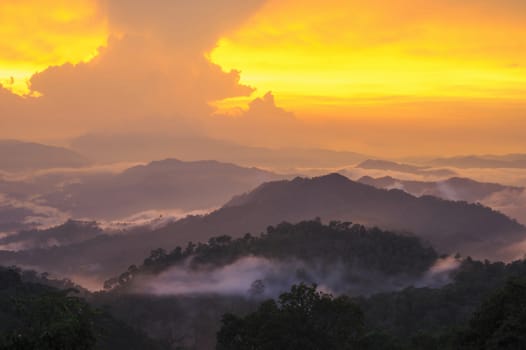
(263, 123)
(276, 276)
(35, 34)
(153, 71)
(509, 202)
(186, 25)
(440, 273)
(21, 214)
(134, 83)
(149, 219)
(152, 75)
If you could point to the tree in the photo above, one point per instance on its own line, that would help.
(50, 321)
(303, 318)
(500, 323)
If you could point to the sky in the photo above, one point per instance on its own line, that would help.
(389, 78)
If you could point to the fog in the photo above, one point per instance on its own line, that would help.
(509, 202)
(149, 219)
(260, 277)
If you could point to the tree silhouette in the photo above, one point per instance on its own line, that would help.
(303, 318)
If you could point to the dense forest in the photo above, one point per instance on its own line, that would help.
(354, 247)
(305, 318)
(450, 227)
(37, 316)
(479, 305)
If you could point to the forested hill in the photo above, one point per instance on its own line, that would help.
(351, 248)
(471, 229)
(412, 318)
(36, 316)
(455, 188)
(428, 312)
(450, 227)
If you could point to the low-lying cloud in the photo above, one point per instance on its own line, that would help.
(150, 219)
(511, 202)
(261, 278)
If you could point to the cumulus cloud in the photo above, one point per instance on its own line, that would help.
(133, 84)
(186, 25)
(152, 75)
(262, 124)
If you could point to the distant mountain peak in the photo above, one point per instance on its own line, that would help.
(18, 156)
(333, 178)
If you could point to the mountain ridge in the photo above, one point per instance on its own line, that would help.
(450, 227)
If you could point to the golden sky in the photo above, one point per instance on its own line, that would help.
(37, 34)
(318, 55)
(374, 76)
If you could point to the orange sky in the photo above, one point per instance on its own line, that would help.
(372, 76)
(324, 56)
(37, 34)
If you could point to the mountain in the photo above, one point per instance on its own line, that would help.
(140, 147)
(68, 233)
(13, 218)
(166, 184)
(16, 156)
(347, 250)
(403, 168)
(445, 293)
(450, 227)
(517, 161)
(190, 288)
(455, 188)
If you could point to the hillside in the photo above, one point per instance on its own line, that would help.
(18, 156)
(455, 188)
(166, 184)
(118, 147)
(36, 316)
(68, 233)
(450, 227)
(342, 256)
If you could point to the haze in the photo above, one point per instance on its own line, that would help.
(375, 77)
(262, 174)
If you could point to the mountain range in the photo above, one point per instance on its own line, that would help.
(143, 147)
(166, 184)
(169, 187)
(455, 188)
(450, 227)
(17, 156)
(375, 164)
(516, 161)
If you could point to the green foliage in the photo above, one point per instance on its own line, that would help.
(307, 319)
(39, 317)
(36, 316)
(500, 323)
(434, 311)
(301, 319)
(340, 242)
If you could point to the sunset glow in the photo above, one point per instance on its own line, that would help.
(355, 69)
(37, 34)
(344, 53)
